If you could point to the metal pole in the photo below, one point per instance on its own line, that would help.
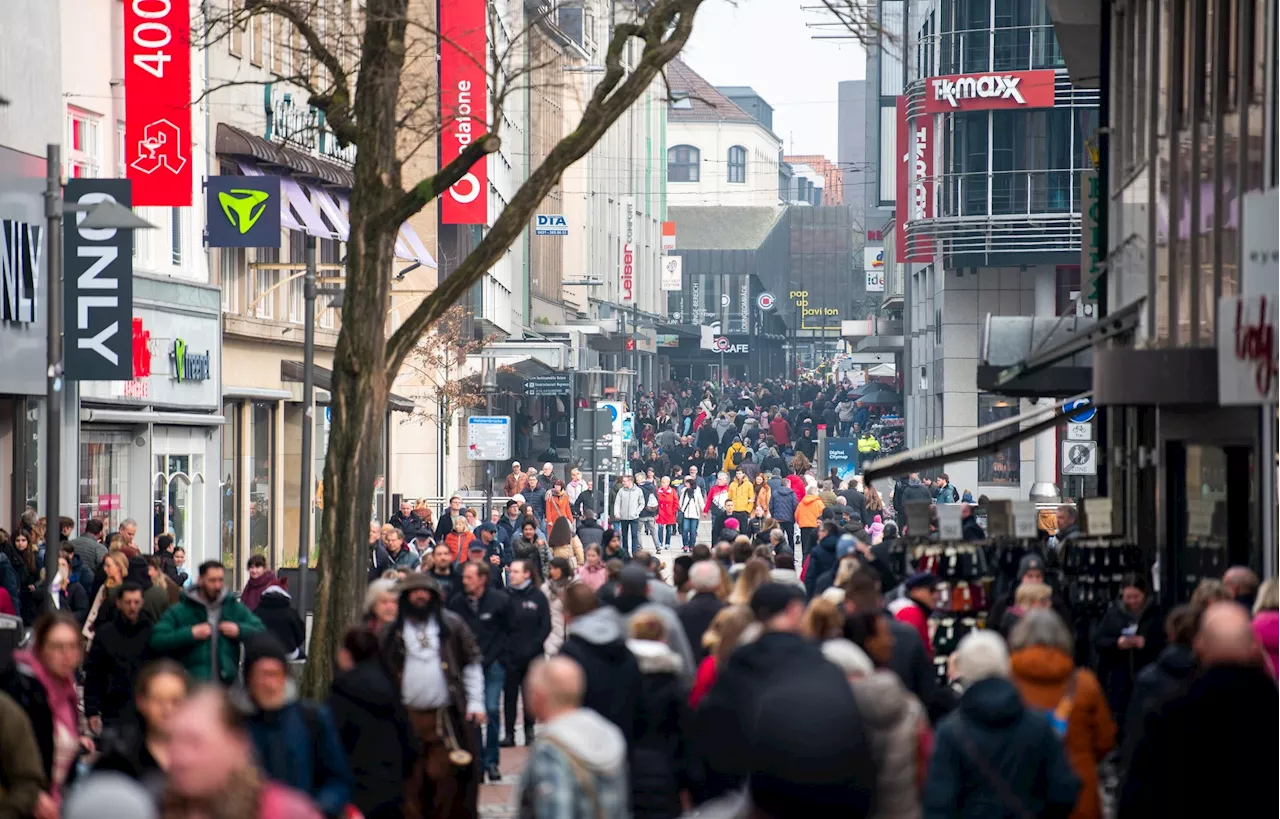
(308, 422)
(53, 375)
(595, 438)
(488, 465)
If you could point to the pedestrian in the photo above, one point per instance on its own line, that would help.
(62, 593)
(1172, 670)
(21, 766)
(138, 744)
(282, 620)
(105, 601)
(658, 757)
(597, 643)
(808, 511)
(917, 606)
(593, 573)
(755, 572)
(91, 551)
(589, 531)
(401, 729)
(699, 610)
(493, 553)
(627, 506)
(401, 555)
(558, 504)
(116, 655)
(381, 604)
(578, 765)
(295, 741)
(1266, 622)
(1189, 759)
(668, 506)
(1027, 596)
(529, 629)
(42, 681)
(992, 756)
(559, 577)
(531, 547)
(204, 631)
(489, 615)
(1043, 662)
(458, 541)
(717, 503)
(211, 770)
(515, 483)
(823, 558)
(1129, 637)
(22, 562)
(380, 561)
(692, 501)
(563, 543)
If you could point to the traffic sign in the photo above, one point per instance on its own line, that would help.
(1079, 457)
(1080, 410)
(765, 301)
(1080, 432)
(489, 438)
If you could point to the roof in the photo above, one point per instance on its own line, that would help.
(706, 103)
(728, 228)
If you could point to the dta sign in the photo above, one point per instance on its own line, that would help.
(551, 224)
(982, 92)
(98, 279)
(464, 106)
(157, 72)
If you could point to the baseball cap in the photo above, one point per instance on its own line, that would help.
(487, 527)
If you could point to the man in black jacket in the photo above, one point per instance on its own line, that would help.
(406, 521)
(445, 571)
(696, 614)
(598, 643)
(912, 490)
(379, 559)
(530, 627)
(120, 648)
(445, 525)
(488, 613)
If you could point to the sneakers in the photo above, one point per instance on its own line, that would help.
(493, 774)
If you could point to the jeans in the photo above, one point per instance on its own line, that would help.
(511, 690)
(665, 531)
(630, 530)
(494, 677)
(689, 532)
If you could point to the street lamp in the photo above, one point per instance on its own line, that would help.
(488, 386)
(98, 216)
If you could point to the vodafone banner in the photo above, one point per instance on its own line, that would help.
(990, 90)
(157, 85)
(464, 106)
(915, 187)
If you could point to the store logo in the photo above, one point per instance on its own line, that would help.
(984, 86)
(141, 350)
(243, 207)
(20, 247)
(723, 345)
(188, 366)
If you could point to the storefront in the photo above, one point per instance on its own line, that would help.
(147, 446)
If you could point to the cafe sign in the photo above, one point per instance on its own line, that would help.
(1247, 350)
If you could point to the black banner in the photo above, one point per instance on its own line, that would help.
(552, 384)
(97, 288)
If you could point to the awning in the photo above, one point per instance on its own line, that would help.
(528, 368)
(322, 378)
(1045, 345)
(880, 344)
(1003, 434)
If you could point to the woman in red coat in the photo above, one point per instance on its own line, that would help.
(668, 503)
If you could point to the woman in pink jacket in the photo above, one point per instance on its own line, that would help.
(1266, 622)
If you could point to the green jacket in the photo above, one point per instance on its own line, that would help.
(172, 636)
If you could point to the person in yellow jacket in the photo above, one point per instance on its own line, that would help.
(743, 495)
(734, 455)
(868, 445)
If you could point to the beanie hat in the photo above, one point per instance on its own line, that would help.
(845, 545)
(263, 646)
(1030, 563)
(731, 523)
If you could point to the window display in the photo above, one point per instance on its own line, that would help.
(1004, 468)
(104, 476)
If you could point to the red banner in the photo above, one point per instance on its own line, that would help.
(157, 82)
(990, 90)
(915, 185)
(464, 106)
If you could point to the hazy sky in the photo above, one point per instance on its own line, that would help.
(765, 44)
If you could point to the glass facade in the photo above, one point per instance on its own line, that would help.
(1003, 468)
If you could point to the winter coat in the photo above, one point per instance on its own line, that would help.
(373, 727)
(658, 756)
(783, 504)
(255, 586)
(215, 658)
(72, 599)
(590, 533)
(571, 551)
(911, 490)
(298, 745)
(716, 497)
(695, 617)
(536, 552)
(1266, 630)
(629, 503)
(409, 525)
(1154, 684)
(895, 722)
(281, 619)
(692, 502)
(554, 592)
(808, 510)
(1116, 666)
(570, 747)
(406, 558)
(450, 581)
(597, 642)
(91, 554)
(743, 495)
(43, 699)
(822, 559)
(118, 652)
(733, 456)
(668, 503)
(910, 660)
(21, 767)
(916, 615)
(991, 733)
(780, 430)
(1042, 675)
(558, 506)
(593, 578)
(530, 626)
(1195, 757)
(491, 622)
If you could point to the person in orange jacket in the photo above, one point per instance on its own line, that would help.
(558, 504)
(808, 512)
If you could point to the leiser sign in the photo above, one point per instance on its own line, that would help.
(464, 104)
(991, 90)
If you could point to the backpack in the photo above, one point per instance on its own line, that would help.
(1060, 714)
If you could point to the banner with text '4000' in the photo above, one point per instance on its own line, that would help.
(157, 88)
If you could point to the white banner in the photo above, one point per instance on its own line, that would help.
(672, 273)
(873, 264)
(1246, 350)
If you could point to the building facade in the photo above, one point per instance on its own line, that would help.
(831, 173)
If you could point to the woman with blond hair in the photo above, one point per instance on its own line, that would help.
(116, 566)
(727, 631)
(753, 574)
(823, 620)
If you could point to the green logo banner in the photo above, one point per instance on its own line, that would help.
(243, 211)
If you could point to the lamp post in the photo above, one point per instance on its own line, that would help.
(107, 215)
(488, 386)
(595, 438)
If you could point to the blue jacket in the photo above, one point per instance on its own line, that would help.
(1017, 745)
(821, 560)
(298, 746)
(783, 503)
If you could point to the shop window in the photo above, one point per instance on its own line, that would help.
(227, 491)
(1003, 468)
(177, 499)
(261, 444)
(104, 477)
(683, 163)
(737, 164)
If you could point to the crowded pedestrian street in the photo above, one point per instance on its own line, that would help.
(671, 409)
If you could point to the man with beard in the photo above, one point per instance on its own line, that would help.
(445, 571)
(399, 714)
(119, 649)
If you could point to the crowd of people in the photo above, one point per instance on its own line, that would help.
(780, 668)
